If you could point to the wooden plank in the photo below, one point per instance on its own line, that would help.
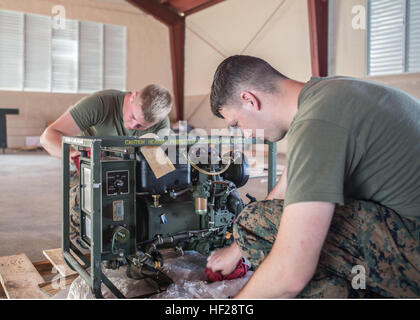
(54, 286)
(2, 293)
(19, 278)
(44, 267)
(156, 158)
(55, 256)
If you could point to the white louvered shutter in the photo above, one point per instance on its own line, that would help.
(114, 57)
(90, 56)
(37, 53)
(386, 47)
(11, 50)
(413, 37)
(64, 47)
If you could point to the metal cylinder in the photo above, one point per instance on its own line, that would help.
(201, 206)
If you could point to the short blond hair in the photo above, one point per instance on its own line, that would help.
(156, 102)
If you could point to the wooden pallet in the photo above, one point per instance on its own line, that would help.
(19, 278)
(55, 256)
(52, 287)
(22, 279)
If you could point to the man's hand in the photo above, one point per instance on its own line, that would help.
(224, 260)
(294, 257)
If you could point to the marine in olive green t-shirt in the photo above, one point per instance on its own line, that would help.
(356, 139)
(101, 114)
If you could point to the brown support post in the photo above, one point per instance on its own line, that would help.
(167, 14)
(318, 33)
(177, 43)
(176, 25)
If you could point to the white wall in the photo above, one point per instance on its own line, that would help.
(275, 30)
(148, 60)
(350, 50)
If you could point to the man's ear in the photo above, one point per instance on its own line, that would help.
(133, 96)
(248, 98)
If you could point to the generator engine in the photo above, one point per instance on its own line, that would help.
(191, 208)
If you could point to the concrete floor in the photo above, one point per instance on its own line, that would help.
(30, 202)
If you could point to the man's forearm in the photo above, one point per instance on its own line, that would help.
(51, 141)
(270, 281)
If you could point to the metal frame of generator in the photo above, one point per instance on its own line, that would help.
(95, 175)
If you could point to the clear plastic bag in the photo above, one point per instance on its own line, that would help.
(195, 289)
(189, 278)
(186, 272)
(130, 288)
(189, 266)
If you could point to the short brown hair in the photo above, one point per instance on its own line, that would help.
(156, 102)
(241, 72)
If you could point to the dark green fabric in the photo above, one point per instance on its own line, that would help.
(100, 114)
(357, 139)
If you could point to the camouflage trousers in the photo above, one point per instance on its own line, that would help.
(364, 240)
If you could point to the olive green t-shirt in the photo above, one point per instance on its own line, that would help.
(100, 114)
(355, 139)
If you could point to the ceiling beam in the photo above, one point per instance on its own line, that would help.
(318, 33)
(202, 7)
(155, 8)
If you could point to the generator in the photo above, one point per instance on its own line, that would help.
(127, 214)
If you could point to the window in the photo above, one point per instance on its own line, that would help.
(83, 57)
(393, 37)
(11, 51)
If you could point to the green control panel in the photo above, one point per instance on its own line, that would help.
(118, 206)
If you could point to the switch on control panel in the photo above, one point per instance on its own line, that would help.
(117, 182)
